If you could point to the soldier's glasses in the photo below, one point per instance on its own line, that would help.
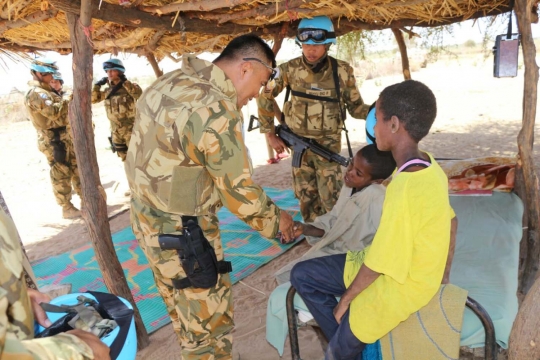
(317, 35)
(275, 71)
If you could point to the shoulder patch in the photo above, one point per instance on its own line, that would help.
(44, 96)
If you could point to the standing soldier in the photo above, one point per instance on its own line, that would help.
(57, 83)
(187, 159)
(120, 98)
(48, 112)
(315, 111)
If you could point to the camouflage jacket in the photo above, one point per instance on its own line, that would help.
(47, 109)
(187, 155)
(120, 106)
(312, 117)
(16, 317)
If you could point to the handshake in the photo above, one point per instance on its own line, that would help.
(102, 82)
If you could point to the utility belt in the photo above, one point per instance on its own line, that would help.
(116, 147)
(59, 147)
(197, 256)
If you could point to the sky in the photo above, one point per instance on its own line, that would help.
(17, 74)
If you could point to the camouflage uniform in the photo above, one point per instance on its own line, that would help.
(120, 110)
(317, 182)
(48, 111)
(16, 316)
(188, 157)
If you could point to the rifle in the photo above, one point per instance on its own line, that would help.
(300, 144)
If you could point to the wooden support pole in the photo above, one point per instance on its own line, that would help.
(152, 60)
(278, 40)
(403, 51)
(94, 209)
(525, 335)
(525, 148)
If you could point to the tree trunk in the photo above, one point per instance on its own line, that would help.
(403, 51)
(94, 209)
(525, 336)
(524, 341)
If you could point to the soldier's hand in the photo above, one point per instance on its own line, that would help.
(276, 143)
(298, 229)
(103, 81)
(286, 227)
(100, 350)
(40, 315)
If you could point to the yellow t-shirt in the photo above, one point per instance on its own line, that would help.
(409, 250)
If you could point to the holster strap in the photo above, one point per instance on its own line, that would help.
(223, 268)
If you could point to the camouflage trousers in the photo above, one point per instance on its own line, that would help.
(64, 176)
(121, 135)
(202, 318)
(317, 184)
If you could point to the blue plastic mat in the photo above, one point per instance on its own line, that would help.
(245, 248)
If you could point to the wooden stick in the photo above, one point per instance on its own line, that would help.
(30, 19)
(130, 41)
(403, 51)
(155, 66)
(176, 60)
(153, 43)
(94, 210)
(259, 11)
(45, 45)
(203, 5)
(136, 18)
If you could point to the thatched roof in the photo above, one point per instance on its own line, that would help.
(170, 28)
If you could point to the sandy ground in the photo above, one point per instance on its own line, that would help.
(478, 116)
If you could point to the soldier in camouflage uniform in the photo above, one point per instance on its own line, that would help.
(313, 112)
(17, 307)
(120, 97)
(48, 112)
(188, 158)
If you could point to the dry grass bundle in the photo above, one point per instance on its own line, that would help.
(165, 27)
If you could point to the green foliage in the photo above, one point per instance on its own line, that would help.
(354, 45)
(433, 40)
(490, 28)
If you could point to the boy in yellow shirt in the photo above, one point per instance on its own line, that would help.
(402, 270)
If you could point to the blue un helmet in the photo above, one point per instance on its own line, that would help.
(114, 64)
(316, 31)
(43, 65)
(58, 76)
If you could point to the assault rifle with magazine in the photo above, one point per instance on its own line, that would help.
(300, 144)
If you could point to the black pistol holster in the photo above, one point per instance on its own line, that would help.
(59, 147)
(197, 256)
